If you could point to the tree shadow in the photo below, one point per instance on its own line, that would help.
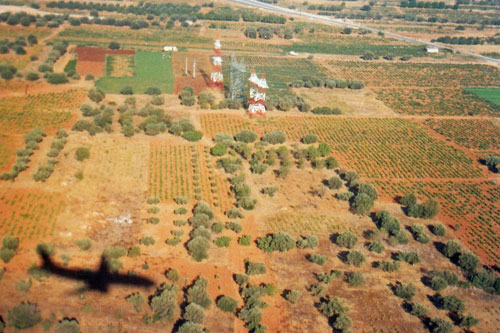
(342, 255)
(98, 280)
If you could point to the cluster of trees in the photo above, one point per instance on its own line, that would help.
(426, 4)
(9, 248)
(325, 110)
(199, 243)
(468, 40)
(493, 163)
(31, 141)
(391, 225)
(335, 310)
(242, 193)
(265, 32)
(163, 304)
(325, 8)
(427, 210)
(197, 301)
(251, 312)
(58, 49)
(18, 45)
(282, 242)
(206, 100)
(361, 195)
(316, 82)
(102, 116)
(56, 146)
(230, 14)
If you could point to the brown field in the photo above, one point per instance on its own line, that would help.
(203, 70)
(91, 60)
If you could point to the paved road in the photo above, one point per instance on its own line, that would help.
(326, 19)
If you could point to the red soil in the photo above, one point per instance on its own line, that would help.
(91, 59)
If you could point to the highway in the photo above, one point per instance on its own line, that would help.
(326, 19)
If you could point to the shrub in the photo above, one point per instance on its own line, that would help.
(234, 213)
(467, 321)
(418, 310)
(437, 283)
(153, 91)
(334, 183)
(245, 240)
(342, 322)
(223, 241)
(23, 316)
(127, 90)
(68, 326)
(203, 208)
(190, 327)
(84, 244)
(227, 304)
(219, 149)
(376, 247)
(362, 204)
(292, 296)
(114, 45)
(164, 304)
(82, 153)
(7, 254)
(181, 200)
(310, 138)
(468, 261)
(308, 242)
(347, 240)
(405, 292)
(274, 137)
(198, 247)
(255, 268)
(96, 95)
(333, 306)
(45, 248)
(194, 313)
(450, 303)
(217, 227)
(280, 241)
(355, 258)
(369, 190)
(355, 279)
(32, 76)
(10, 243)
(180, 211)
(318, 259)
(389, 266)
(174, 241)
(153, 220)
(345, 196)
(439, 325)
(241, 279)
(234, 226)
(270, 190)
(197, 293)
(246, 136)
(328, 277)
(438, 229)
(247, 203)
(57, 78)
(137, 300)
(451, 249)
(147, 241)
(409, 257)
(154, 210)
(192, 136)
(172, 275)
(134, 251)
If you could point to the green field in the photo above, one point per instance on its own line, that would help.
(152, 69)
(492, 95)
(359, 48)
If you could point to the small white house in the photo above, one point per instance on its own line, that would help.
(170, 49)
(432, 49)
(293, 53)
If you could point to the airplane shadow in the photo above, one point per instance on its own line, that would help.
(99, 280)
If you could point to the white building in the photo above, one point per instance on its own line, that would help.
(432, 49)
(170, 48)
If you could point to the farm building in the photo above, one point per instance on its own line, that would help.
(432, 49)
(168, 48)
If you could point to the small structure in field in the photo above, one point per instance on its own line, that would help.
(169, 48)
(293, 53)
(257, 105)
(432, 49)
(216, 77)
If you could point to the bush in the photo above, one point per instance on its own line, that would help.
(164, 304)
(234, 213)
(190, 327)
(82, 153)
(223, 241)
(137, 300)
(438, 229)
(114, 45)
(369, 190)
(23, 316)
(32, 76)
(134, 251)
(309, 242)
(409, 257)
(438, 325)
(275, 137)
(376, 247)
(437, 283)
(334, 183)
(405, 292)
(467, 321)
(197, 293)
(96, 95)
(355, 279)
(234, 226)
(362, 204)
(418, 310)
(45, 249)
(153, 91)
(468, 262)
(355, 258)
(57, 78)
(7, 254)
(192, 136)
(255, 268)
(219, 149)
(227, 304)
(280, 241)
(194, 313)
(198, 247)
(309, 139)
(318, 259)
(292, 296)
(345, 196)
(180, 211)
(389, 266)
(246, 203)
(347, 240)
(68, 326)
(174, 241)
(451, 249)
(246, 136)
(333, 306)
(241, 279)
(11, 243)
(147, 241)
(127, 90)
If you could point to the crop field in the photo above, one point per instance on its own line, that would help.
(49, 111)
(152, 69)
(472, 207)
(129, 37)
(186, 170)
(357, 48)
(92, 60)
(8, 145)
(386, 75)
(306, 224)
(436, 102)
(490, 94)
(226, 123)
(279, 71)
(119, 65)
(376, 148)
(473, 133)
(29, 214)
